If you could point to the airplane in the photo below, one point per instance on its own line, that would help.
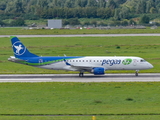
(93, 64)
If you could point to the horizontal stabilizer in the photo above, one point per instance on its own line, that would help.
(13, 59)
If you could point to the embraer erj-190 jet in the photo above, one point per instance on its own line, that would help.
(93, 64)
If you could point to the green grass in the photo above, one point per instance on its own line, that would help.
(25, 31)
(113, 117)
(145, 47)
(122, 100)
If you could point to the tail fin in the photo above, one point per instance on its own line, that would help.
(19, 49)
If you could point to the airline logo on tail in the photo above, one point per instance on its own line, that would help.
(19, 48)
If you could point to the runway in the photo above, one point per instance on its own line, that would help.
(143, 77)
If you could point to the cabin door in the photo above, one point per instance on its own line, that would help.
(40, 61)
(135, 62)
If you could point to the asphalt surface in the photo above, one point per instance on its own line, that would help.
(84, 35)
(143, 77)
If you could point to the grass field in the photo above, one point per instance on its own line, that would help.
(111, 101)
(26, 31)
(145, 47)
(104, 100)
(112, 117)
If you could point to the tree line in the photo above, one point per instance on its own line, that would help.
(66, 9)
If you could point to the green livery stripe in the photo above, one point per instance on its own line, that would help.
(43, 63)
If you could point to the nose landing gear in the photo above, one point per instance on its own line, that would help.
(136, 73)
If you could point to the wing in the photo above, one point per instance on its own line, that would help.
(81, 68)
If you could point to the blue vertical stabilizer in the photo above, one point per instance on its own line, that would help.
(19, 49)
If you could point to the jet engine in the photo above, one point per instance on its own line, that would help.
(98, 71)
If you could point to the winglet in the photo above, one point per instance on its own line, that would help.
(12, 37)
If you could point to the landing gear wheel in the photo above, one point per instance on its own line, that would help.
(136, 74)
(80, 74)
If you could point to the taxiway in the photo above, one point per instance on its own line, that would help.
(86, 35)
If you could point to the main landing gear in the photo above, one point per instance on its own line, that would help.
(136, 73)
(80, 74)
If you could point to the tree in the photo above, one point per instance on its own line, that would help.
(91, 3)
(2, 5)
(141, 7)
(89, 12)
(18, 6)
(144, 19)
(149, 5)
(124, 13)
(74, 21)
(153, 10)
(104, 13)
(86, 23)
(81, 3)
(104, 9)
(158, 8)
(68, 4)
(68, 13)
(157, 2)
(101, 3)
(2, 23)
(18, 22)
(116, 14)
(111, 4)
(94, 23)
(65, 22)
(132, 22)
(120, 1)
(10, 8)
(124, 23)
(43, 4)
(77, 12)
(54, 3)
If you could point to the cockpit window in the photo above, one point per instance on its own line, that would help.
(142, 60)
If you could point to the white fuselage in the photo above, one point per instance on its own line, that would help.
(108, 63)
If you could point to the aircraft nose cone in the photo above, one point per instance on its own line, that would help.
(150, 65)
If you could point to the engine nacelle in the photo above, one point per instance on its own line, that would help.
(98, 71)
